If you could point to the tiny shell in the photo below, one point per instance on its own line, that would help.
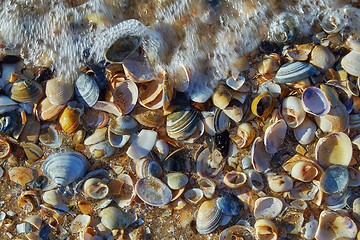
(267, 207)
(153, 191)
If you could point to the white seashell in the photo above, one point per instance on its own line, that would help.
(335, 148)
(193, 195)
(274, 136)
(332, 225)
(208, 120)
(244, 136)
(80, 223)
(234, 179)
(153, 191)
(265, 229)
(162, 148)
(142, 144)
(126, 96)
(99, 135)
(309, 230)
(95, 188)
(102, 149)
(52, 197)
(267, 208)
(127, 192)
(235, 83)
(108, 107)
(315, 102)
(350, 63)
(65, 167)
(260, 158)
(58, 91)
(294, 72)
(207, 186)
(305, 132)
(151, 96)
(137, 72)
(255, 180)
(322, 58)
(208, 217)
(52, 138)
(292, 111)
(280, 183)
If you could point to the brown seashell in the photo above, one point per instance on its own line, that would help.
(149, 118)
(47, 112)
(33, 152)
(28, 200)
(21, 175)
(5, 148)
(94, 118)
(26, 91)
(69, 119)
(221, 97)
(151, 95)
(31, 130)
(322, 58)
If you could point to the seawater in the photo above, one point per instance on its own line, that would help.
(207, 36)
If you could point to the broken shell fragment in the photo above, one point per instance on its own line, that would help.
(302, 168)
(322, 58)
(21, 175)
(350, 63)
(244, 135)
(263, 105)
(122, 48)
(80, 223)
(207, 186)
(153, 191)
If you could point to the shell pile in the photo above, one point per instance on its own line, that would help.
(272, 154)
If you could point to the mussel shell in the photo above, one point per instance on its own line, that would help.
(65, 167)
(294, 72)
(229, 204)
(26, 91)
(182, 123)
(10, 122)
(153, 191)
(86, 90)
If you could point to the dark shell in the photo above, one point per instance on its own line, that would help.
(229, 204)
(177, 161)
(10, 122)
(122, 48)
(222, 142)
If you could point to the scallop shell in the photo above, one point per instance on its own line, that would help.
(335, 148)
(267, 208)
(305, 132)
(274, 136)
(153, 191)
(126, 95)
(65, 167)
(294, 72)
(26, 91)
(292, 111)
(208, 217)
(86, 90)
(58, 91)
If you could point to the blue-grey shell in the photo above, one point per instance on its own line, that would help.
(86, 90)
(294, 72)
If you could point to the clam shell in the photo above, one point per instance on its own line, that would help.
(137, 72)
(26, 91)
(177, 161)
(95, 188)
(350, 63)
(46, 111)
(176, 180)
(309, 230)
(52, 197)
(80, 223)
(275, 136)
(5, 148)
(148, 167)
(265, 229)
(267, 208)
(208, 217)
(304, 191)
(221, 97)
(149, 118)
(97, 136)
(117, 141)
(151, 96)
(209, 164)
(94, 118)
(302, 168)
(332, 225)
(305, 132)
(334, 180)
(234, 179)
(124, 125)
(335, 148)
(108, 107)
(182, 123)
(65, 167)
(126, 96)
(207, 186)
(280, 183)
(193, 195)
(292, 111)
(139, 148)
(322, 58)
(255, 180)
(32, 151)
(263, 105)
(58, 91)
(229, 204)
(221, 121)
(70, 119)
(315, 102)
(114, 218)
(152, 191)
(244, 136)
(86, 90)
(128, 192)
(237, 232)
(260, 158)
(21, 175)
(294, 72)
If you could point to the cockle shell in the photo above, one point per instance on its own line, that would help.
(21, 175)
(86, 90)
(65, 167)
(208, 217)
(95, 188)
(26, 91)
(292, 111)
(267, 208)
(153, 191)
(58, 91)
(333, 225)
(335, 148)
(275, 136)
(182, 123)
(305, 132)
(294, 72)
(260, 158)
(265, 230)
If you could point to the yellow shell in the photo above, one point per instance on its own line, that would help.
(263, 105)
(69, 120)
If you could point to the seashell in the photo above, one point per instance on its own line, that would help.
(260, 158)
(46, 111)
(176, 180)
(79, 223)
(208, 217)
(139, 148)
(263, 105)
(122, 48)
(26, 91)
(255, 180)
(334, 180)
(300, 52)
(267, 208)
(29, 200)
(65, 167)
(292, 220)
(177, 161)
(331, 21)
(244, 136)
(148, 167)
(235, 83)
(229, 204)
(102, 149)
(152, 191)
(302, 168)
(93, 118)
(268, 66)
(117, 141)
(221, 97)
(181, 78)
(97, 136)
(31, 130)
(151, 96)
(182, 123)
(350, 63)
(137, 72)
(304, 190)
(162, 148)
(193, 195)
(126, 96)
(221, 121)
(70, 119)
(5, 148)
(305, 132)
(279, 183)
(322, 58)
(309, 229)
(292, 111)
(237, 232)
(338, 201)
(199, 131)
(222, 142)
(86, 90)
(294, 72)
(149, 118)
(58, 91)
(6, 104)
(32, 151)
(236, 110)
(332, 225)
(95, 188)
(128, 192)
(275, 136)
(12, 123)
(209, 164)
(52, 197)
(21, 175)
(234, 179)
(34, 220)
(265, 230)
(108, 107)
(335, 148)
(207, 186)
(114, 218)
(354, 176)
(315, 102)
(124, 125)
(356, 209)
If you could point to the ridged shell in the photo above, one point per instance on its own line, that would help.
(86, 90)
(69, 120)
(153, 191)
(148, 167)
(182, 123)
(26, 91)
(46, 111)
(58, 91)
(65, 167)
(294, 72)
(208, 217)
(125, 125)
